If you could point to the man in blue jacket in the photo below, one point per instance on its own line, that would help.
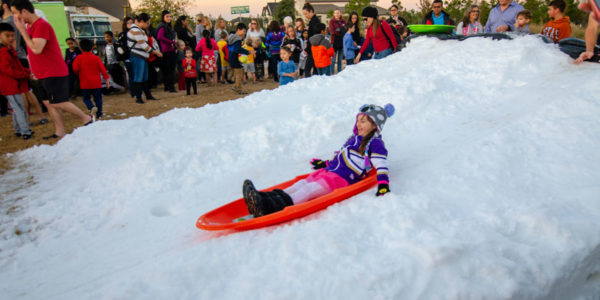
(437, 16)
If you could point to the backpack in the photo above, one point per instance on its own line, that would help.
(396, 35)
(122, 47)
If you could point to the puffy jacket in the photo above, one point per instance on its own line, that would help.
(274, 41)
(322, 51)
(337, 29)
(89, 67)
(234, 43)
(13, 76)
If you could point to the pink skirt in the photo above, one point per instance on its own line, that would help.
(208, 64)
(326, 179)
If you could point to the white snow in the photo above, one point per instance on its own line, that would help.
(495, 179)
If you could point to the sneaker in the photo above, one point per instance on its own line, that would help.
(53, 136)
(252, 198)
(27, 136)
(93, 112)
(42, 121)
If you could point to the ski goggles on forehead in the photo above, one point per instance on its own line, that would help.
(366, 108)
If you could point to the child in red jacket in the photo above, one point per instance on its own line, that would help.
(189, 71)
(13, 80)
(322, 50)
(89, 67)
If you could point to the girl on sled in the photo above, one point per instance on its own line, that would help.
(349, 165)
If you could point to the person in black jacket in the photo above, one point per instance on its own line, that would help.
(309, 13)
(184, 32)
(437, 16)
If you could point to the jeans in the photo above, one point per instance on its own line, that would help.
(349, 62)
(129, 68)
(338, 56)
(139, 67)
(324, 71)
(97, 93)
(273, 61)
(382, 54)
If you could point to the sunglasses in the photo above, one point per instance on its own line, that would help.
(366, 107)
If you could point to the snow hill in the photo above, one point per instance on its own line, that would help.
(494, 162)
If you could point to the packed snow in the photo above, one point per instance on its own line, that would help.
(495, 177)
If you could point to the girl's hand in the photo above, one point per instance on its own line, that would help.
(382, 189)
(318, 164)
(584, 56)
(357, 59)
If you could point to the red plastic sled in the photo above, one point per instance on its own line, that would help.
(231, 216)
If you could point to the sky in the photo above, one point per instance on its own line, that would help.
(223, 7)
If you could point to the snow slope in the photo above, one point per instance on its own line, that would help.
(494, 162)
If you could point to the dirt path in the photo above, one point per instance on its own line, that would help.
(116, 107)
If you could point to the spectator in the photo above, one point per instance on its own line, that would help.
(221, 27)
(184, 31)
(378, 32)
(235, 48)
(47, 64)
(349, 45)
(249, 69)
(189, 67)
(356, 37)
(30, 98)
(208, 63)
(503, 16)
(13, 80)
(208, 26)
(199, 27)
(300, 26)
(127, 23)
(273, 43)
(223, 56)
(591, 32)
(166, 39)
(337, 28)
(259, 58)
(70, 55)
(303, 54)
(255, 32)
(181, 49)
(437, 16)
(293, 43)
(88, 67)
(522, 23)
(140, 53)
(286, 68)
(287, 22)
(395, 19)
(470, 23)
(559, 26)
(322, 50)
(113, 66)
(309, 13)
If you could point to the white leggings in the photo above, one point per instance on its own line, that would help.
(303, 191)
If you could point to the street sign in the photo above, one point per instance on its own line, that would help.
(240, 9)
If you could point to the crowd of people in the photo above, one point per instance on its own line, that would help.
(181, 54)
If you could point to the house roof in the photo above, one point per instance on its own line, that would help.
(111, 7)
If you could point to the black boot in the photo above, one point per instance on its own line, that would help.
(137, 91)
(264, 203)
(147, 92)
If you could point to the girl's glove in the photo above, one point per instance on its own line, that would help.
(382, 188)
(318, 164)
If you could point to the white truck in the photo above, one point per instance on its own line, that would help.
(90, 27)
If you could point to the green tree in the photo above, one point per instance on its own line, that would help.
(155, 7)
(285, 8)
(424, 6)
(399, 4)
(357, 6)
(538, 9)
(576, 15)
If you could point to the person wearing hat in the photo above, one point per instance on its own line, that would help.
(378, 32)
(362, 151)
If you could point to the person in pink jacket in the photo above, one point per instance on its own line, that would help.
(208, 62)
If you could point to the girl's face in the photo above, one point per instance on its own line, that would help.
(284, 55)
(188, 54)
(129, 23)
(364, 125)
(167, 18)
(370, 21)
(354, 19)
(299, 25)
(305, 35)
(474, 15)
(291, 32)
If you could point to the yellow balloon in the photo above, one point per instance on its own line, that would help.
(243, 59)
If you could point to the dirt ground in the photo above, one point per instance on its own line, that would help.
(120, 106)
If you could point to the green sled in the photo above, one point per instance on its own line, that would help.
(424, 28)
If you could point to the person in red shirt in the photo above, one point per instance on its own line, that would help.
(189, 71)
(89, 68)
(380, 33)
(559, 27)
(47, 64)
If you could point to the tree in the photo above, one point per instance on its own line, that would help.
(399, 4)
(357, 6)
(155, 7)
(424, 6)
(285, 8)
